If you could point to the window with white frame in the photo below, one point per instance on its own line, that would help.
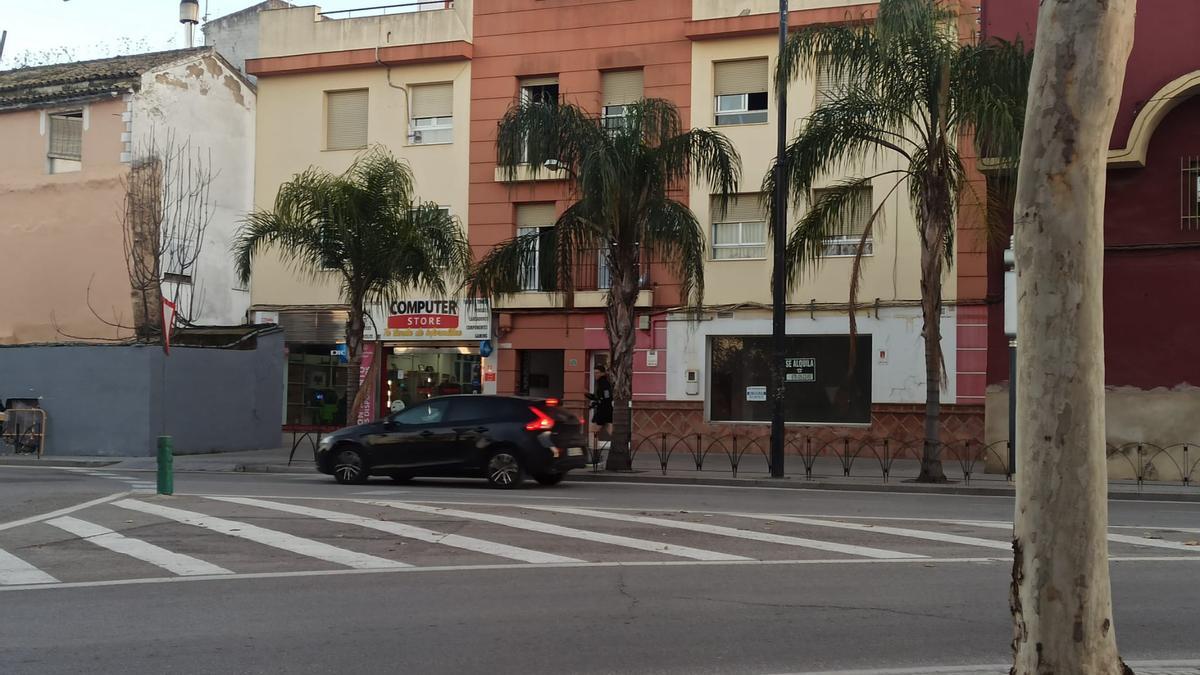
(346, 119)
(432, 119)
(740, 233)
(65, 150)
(543, 90)
(536, 221)
(846, 245)
(620, 88)
(741, 92)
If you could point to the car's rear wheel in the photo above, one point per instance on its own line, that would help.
(349, 468)
(401, 477)
(504, 470)
(550, 478)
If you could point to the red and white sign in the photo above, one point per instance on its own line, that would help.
(432, 320)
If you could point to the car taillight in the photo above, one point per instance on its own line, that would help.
(543, 422)
(551, 402)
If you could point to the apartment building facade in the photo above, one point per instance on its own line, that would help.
(712, 59)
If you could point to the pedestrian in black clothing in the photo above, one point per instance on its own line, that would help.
(602, 407)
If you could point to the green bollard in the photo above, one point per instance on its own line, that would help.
(166, 466)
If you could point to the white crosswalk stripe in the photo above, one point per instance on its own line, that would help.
(176, 563)
(261, 535)
(14, 571)
(570, 532)
(883, 529)
(1115, 538)
(752, 535)
(409, 531)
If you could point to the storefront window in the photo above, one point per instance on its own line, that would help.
(316, 385)
(416, 374)
(821, 387)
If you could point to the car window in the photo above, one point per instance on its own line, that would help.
(470, 408)
(423, 412)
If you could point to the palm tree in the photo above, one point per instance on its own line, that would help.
(622, 176)
(911, 88)
(366, 227)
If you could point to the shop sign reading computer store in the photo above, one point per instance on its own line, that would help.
(434, 320)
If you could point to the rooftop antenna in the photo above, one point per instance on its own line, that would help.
(189, 16)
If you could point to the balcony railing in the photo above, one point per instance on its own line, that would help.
(377, 10)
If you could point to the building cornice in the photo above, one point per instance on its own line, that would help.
(405, 55)
(767, 24)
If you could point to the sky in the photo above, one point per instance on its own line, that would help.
(98, 28)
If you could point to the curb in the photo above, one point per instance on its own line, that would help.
(800, 484)
(9, 461)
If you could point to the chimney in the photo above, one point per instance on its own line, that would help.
(189, 16)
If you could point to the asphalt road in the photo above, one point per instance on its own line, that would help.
(492, 583)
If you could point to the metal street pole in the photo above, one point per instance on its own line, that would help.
(778, 274)
(1010, 329)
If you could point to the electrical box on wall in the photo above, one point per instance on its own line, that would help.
(693, 383)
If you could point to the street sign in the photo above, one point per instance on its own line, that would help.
(342, 352)
(485, 348)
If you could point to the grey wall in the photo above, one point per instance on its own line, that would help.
(110, 401)
(235, 36)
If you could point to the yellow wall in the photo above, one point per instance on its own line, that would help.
(714, 9)
(891, 273)
(291, 137)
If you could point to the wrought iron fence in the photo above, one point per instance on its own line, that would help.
(1178, 463)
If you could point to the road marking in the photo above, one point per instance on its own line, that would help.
(736, 533)
(175, 563)
(61, 512)
(1115, 538)
(17, 572)
(261, 535)
(998, 669)
(896, 531)
(1006, 560)
(410, 532)
(558, 530)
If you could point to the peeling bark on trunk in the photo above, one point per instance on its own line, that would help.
(354, 341)
(1061, 598)
(619, 320)
(934, 216)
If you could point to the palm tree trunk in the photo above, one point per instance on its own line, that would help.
(355, 327)
(1061, 597)
(619, 322)
(935, 221)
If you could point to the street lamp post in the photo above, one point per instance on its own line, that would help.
(778, 275)
(1010, 329)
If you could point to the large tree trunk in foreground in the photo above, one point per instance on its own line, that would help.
(1061, 597)
(619, 323)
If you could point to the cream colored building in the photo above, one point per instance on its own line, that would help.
(330, 86)
(734, 47)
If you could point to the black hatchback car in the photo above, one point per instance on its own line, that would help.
(501, 438)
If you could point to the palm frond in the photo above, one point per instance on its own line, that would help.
(674, 234)
(532, 132)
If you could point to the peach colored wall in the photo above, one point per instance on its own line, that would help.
(60, 233)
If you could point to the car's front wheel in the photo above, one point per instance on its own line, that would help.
(349, 468)
(550, 478)
(504, 470)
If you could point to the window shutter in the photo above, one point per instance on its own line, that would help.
(744, 208)
(622, 87)
(863, 204)
(66, 136)
(537, 81)
(535, 215)
(433, 100)
(741, 77)
(827, 85)
(347, 119)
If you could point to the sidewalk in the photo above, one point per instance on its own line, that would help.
(828, 473)
(1139, 667)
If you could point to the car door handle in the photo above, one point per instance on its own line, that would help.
(425, 434)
